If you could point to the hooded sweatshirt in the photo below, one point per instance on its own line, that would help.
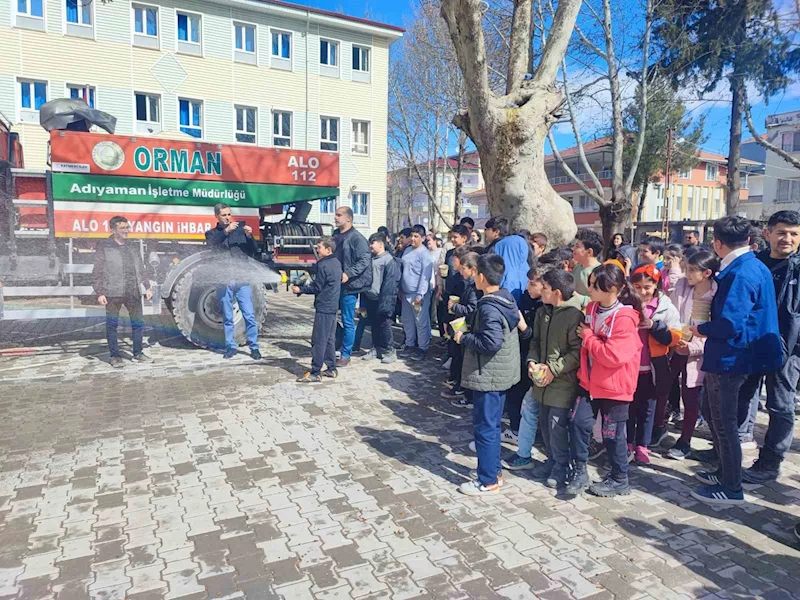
(491, 348)
(610, 353)
(514, 251)
(683, 299)
(378, 266)
(556, 343)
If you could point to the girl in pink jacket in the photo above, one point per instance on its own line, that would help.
(609, 366)
(692, 297)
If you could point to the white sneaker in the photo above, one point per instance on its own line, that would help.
(509, 437)
(473, 448)
(750, 445)
(447, 363)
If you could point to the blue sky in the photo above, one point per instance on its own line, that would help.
(399, 12)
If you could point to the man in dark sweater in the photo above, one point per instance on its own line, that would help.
(352, 250)
(229, 236)
(326, 288)
(118, 281)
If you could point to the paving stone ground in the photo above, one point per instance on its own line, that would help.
(195, 478)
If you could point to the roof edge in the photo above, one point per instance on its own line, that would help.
(332, 14)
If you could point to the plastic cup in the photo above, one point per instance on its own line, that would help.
(459, 324)
(444, 270)
(454, 300)
(686, 334)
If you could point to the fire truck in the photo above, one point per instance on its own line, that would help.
(51, 220)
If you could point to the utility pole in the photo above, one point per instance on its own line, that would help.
(667, 180)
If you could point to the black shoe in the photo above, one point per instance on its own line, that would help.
(579, 481)
(142, 358)
(230, 353)
(342, 362)
(115, 362)
(332, 373)
(542, 471)
(706, 456)
(558, 478)
(610, 487)
(309, 377)
(255, 354)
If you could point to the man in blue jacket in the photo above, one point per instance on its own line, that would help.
(743, 339)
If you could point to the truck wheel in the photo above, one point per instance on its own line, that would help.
(198, 316)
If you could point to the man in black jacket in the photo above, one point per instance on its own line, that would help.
(228, 236)
(783, 261)
(118, 281)
(326, 288)
(354, 254)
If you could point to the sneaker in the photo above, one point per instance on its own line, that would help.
(749, 444)
(453, 394)
(476, 488)
(418, 355)
(450, 383)
(595, 449)
(230, 353)
(309, 377)
(761, 472)
(518, 463)
(115, 362)
(342, 362)
(509, 437)
(716, 494)
(708, 477)
(255, 354)
(641, 456)
(472, 447)
(370, 355)
(461, 403)
(446, 364)
(542, 470)
(630, 453)
(706, 456)
(142, 358)
(558, 478)
(579, 481)
(679, 451)
(389, 357)
(473, 474)
(610, 487)
(659, 435)
(332, 373)
(675, 417)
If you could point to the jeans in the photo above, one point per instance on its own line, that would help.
(457, 354)
(555, 431)
(642, 411)
(381, 332)
(134, 306)
(725, 399)
(580, 428)
(487, 410)
(615, 436)
(748, 411)
(514, 401)
(347, 304)
(664, 377)
(365, 321)
(781, 392)
(527, 426)
(243, 294)
(323, 342)
(417, 323)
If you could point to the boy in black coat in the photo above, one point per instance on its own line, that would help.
(326, 286)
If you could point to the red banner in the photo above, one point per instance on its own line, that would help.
(93, 153)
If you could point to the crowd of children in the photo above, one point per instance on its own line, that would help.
(603, 345)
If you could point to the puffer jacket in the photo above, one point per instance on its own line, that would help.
(613, 371)
(666, 330)
(683, 299)
(390, 283)
(491, 348)
(556, 344)
(356, 261)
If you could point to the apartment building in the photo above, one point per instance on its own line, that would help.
(258, 72)
(409, 203)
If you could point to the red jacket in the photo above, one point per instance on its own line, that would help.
(615, 355)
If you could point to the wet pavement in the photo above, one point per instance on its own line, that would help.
(198, 478)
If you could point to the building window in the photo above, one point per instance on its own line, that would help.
(361, 137)
(329, 134)
(790, 141)
(677, 212)
(82, 92)
(148, 114)
(246, 119)
(745, 180)
(281, 44)
(282, 129)
(690, 201)
(717, 202)
(327, 206)
(328, 53)
(788, 190)
(79, 12)
(361, 59)
(188, 28)
(30, 8)
(712, 172)
(32, 94)
(244, 37)
(191, 117)
(360, 207)
(704, 214)
(684, 174)
(145, 21)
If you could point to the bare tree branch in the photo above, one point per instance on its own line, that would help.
(558, 40)
(570, 173)
(520, 49)
(764, 142)
(642, 99)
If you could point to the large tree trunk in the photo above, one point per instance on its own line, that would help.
(735, 145)
(462, 150)
(616, 218)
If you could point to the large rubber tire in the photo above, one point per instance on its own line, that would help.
(197, 315)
